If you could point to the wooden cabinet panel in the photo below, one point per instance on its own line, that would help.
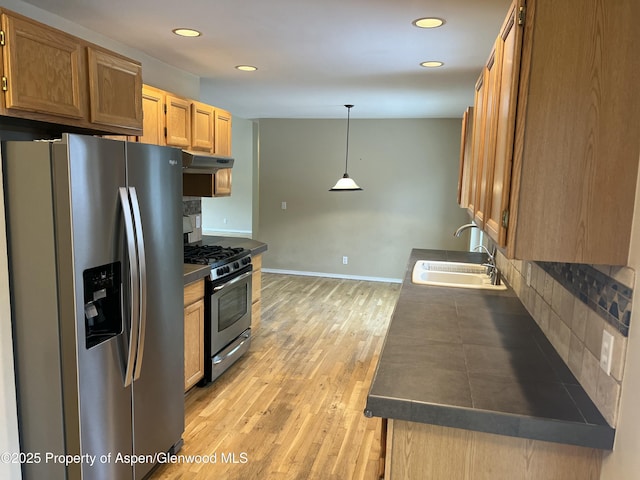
(477, 144)
(115, 89)
(487, 149)
(178, 121)
(222, 183)
(576, 145)
(466, 145)
(44, 68)
(153, 116)
(202, 125)
(508, 48)
(193, 344)
(416, 451)
(193, 333)
(222, 138)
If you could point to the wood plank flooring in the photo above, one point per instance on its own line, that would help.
(292, 407)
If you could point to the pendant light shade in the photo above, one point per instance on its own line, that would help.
(346, 183)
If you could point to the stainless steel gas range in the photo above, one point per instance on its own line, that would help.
(227, 328)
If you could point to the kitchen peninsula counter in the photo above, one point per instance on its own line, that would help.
(476, 360)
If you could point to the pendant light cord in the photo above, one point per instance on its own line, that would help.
(346, 161)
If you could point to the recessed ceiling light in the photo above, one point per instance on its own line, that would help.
(186, 32)
(246, 68)
(432, 64)
(428, 22)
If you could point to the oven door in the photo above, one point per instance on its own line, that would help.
(230, 309)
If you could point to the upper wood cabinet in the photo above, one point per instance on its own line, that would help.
(153, 116)
(115, 88)
(561, 174)
(477, 142)
(51, 76)
(508, 46)
(464, 180)
(202, 126)
(222, 133)
(178, 121)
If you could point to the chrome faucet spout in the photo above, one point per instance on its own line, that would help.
(462, 228)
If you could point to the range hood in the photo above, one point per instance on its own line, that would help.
(199, 162)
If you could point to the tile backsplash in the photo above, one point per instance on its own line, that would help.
(573, 304)
(192, 209)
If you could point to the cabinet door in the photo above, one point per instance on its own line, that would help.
(485, 172)
(466, 145)
(193, 344)
(202, 124)
(222, 183)
(115, 89)
(222, 133)
(178, 121)
(44, 69)
(477, 144)
(509, 47)
(152, 116)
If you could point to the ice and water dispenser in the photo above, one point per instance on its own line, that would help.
(102, 303)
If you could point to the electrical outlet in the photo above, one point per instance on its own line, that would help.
(606, 352)
(283, 205)
(528, 274)
(224, 220)
(345, 260)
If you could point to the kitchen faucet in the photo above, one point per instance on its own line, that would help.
(463, 228)
(492, 269)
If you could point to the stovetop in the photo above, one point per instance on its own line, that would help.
(223, 261)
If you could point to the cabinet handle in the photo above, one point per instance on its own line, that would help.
(2, 38)
(4, 84)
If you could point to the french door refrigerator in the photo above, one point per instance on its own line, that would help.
(95, 246)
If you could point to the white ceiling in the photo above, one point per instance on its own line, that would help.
(313, 56)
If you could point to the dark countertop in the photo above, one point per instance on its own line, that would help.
(476, 360)
(193, 273)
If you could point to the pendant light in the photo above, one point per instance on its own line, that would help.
(346, 183)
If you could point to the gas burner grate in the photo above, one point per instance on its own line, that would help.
(209, 254)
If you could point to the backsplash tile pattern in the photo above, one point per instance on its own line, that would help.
(573, 305)
(191, 205)
(603, 294)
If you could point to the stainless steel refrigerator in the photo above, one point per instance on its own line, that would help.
(94, 232)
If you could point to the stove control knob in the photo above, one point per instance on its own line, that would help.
(236, 265)
(219, 271)
(227, 269)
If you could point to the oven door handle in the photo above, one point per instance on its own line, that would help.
(231, 282)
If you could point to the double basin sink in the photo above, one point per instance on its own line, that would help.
(453, 274)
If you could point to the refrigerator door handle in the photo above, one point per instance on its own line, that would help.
(142, 268)
(133, 277)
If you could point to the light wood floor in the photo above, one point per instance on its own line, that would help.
(292, 407)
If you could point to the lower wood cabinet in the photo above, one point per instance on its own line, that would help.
(415, 451)
(193, 333)
(256, 291)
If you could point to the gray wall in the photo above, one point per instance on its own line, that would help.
(408, 169)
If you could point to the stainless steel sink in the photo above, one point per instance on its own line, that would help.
(453, 274)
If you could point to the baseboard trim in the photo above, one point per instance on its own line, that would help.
(332, 275)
